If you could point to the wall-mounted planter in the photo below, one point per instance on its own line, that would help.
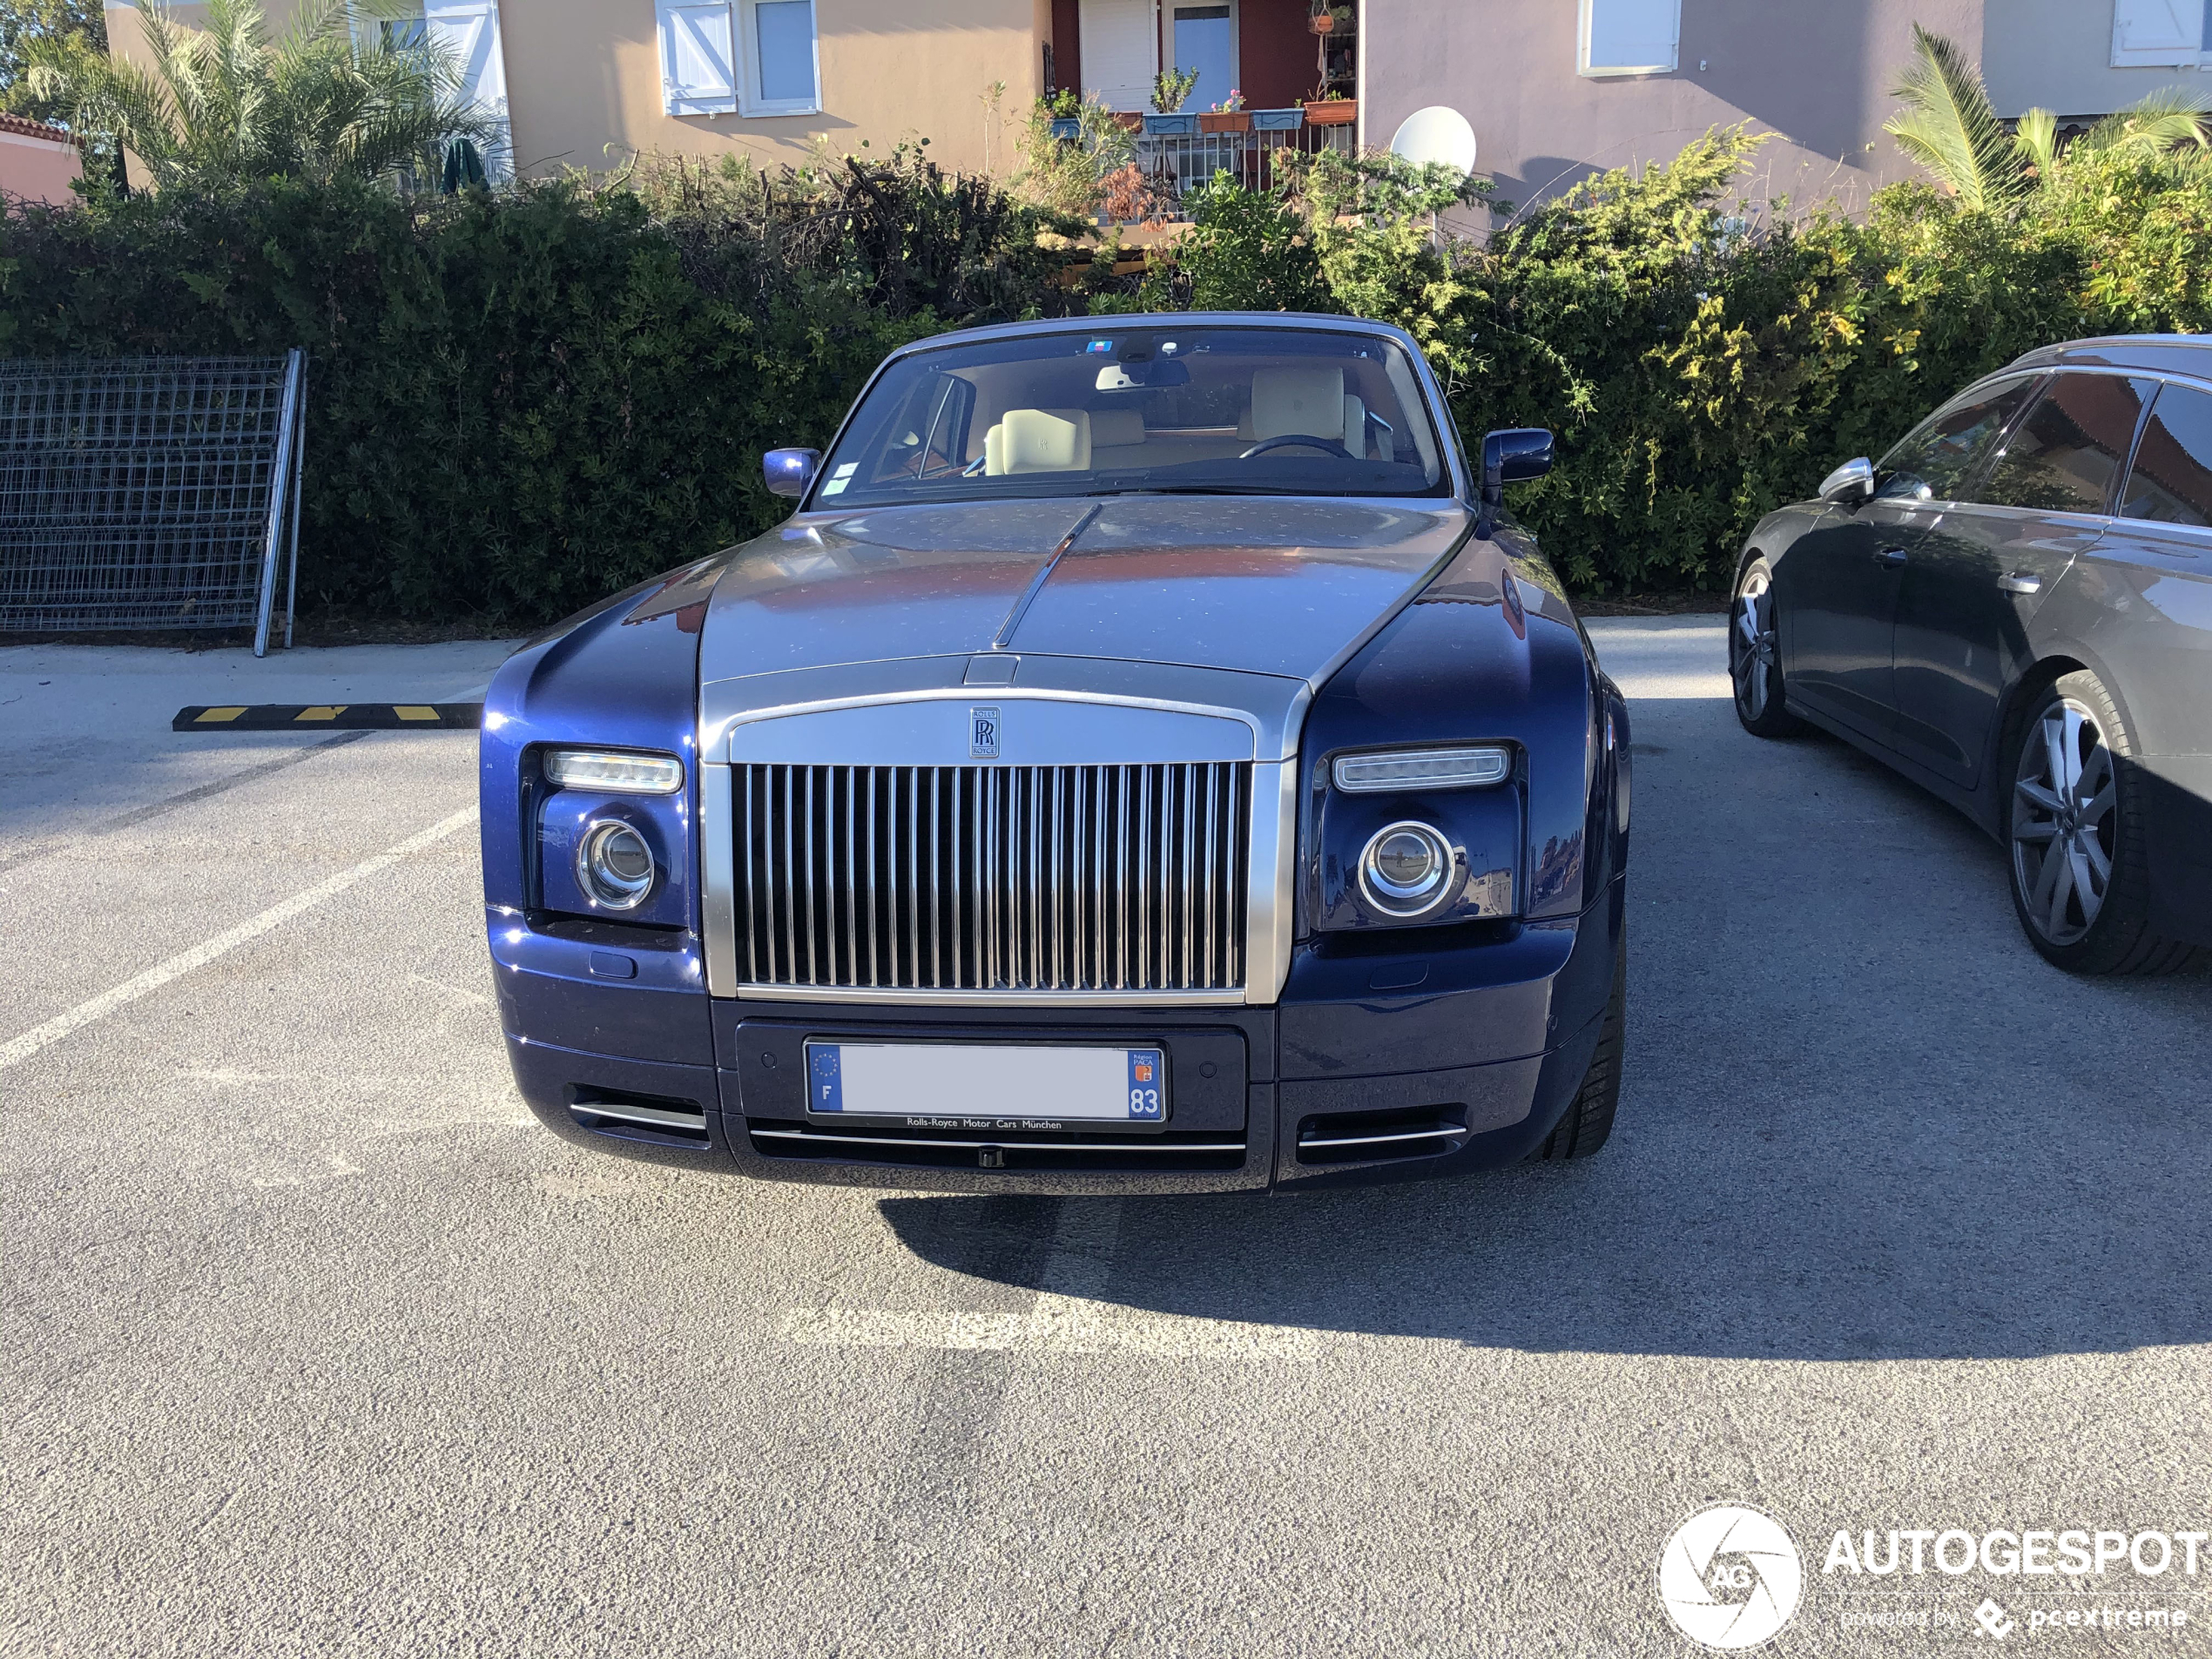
(1225, 121)
(1288, 120)
(1129, 120)
(1332, 113)
(1067, 126)
(1175, 125)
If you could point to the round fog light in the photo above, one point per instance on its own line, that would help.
(614, 865)
(1404, 866)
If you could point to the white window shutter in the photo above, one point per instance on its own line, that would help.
(1630, 37)
(2156, 33)
(469, 30)
(698, 63)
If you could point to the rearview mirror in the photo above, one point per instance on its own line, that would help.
(1848, 484)
(1130, 377)
(789, 471)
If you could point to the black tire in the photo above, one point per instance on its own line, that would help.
(1587, 1121)
(1754, 660)
(2069, 753)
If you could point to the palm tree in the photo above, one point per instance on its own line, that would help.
(224, 104)
(1949, 125)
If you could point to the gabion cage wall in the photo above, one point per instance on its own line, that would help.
(149, 492)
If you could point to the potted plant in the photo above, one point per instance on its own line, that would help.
(1228, 116)
(1331, 108)
(1169, 88)
(1289, 120)
(1065, 108)
(1326, 20)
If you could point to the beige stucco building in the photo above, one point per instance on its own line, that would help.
(591, 83)
(1554, 89)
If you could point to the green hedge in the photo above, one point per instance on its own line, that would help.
(521, 402)
(1703, 359)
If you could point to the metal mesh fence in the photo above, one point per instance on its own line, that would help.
(147, 492)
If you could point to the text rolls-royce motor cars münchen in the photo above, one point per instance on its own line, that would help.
(1149, 759)
(2014, 609)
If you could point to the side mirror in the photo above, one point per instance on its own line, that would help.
(1512, 456)
(1848, 484)
(789, 471)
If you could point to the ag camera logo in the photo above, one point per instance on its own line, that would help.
(1729, 1577)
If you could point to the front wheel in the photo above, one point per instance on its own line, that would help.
(1588, 1120)
(2075, 827)
(1754, 662)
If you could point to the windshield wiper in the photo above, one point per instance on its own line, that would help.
(1198, 489)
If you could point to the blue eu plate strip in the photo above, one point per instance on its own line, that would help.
(826, 1080)
(1144, 1085)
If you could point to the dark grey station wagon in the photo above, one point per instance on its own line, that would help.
(2014, 609)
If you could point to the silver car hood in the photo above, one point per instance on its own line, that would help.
(1250, 584)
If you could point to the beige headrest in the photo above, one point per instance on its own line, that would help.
(1297, 400)
(1110, 427)
(994, 448)
(1041, 441)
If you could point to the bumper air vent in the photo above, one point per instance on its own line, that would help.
(1194, 1150)
(654, 1118)
(1375, 1137)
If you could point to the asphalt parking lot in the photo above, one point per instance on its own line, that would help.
(316, 1343)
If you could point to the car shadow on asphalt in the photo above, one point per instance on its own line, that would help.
(1861, 1120)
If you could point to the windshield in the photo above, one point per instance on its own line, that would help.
(1216, 410)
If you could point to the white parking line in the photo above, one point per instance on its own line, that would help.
(17, 1049)
(1068, 1315)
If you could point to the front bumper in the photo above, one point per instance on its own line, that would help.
(1384, 1059)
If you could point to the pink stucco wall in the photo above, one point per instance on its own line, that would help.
(37, 168)
(1819, 75)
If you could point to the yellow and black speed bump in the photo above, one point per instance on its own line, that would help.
(328, 717)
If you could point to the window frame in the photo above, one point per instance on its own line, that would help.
(2181, 382)
(1584, 25)
(1986, 469)
(1983, 389)
(744, 20)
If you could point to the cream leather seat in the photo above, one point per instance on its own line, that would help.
(1038, 441)
(1309, 402)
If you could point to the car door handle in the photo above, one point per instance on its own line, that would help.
(2012, 582)
(1891, 557)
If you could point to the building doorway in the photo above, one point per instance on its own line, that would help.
(1205, 39)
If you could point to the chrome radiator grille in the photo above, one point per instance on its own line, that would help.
(992, 878)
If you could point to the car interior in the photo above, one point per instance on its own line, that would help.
(1179, 412)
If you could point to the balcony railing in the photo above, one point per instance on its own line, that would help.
(1179, 162)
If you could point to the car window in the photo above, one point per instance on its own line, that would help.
(1198, 408)
(2063, 456)
(2171, 481)
(1936, 458)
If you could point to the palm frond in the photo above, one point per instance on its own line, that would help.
(2167, 119)
(2037, 135)
(224, 104)
(1950, 127)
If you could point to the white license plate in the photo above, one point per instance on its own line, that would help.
(987, 1086)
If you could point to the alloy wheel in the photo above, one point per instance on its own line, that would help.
(2064, 826)
(1751, 645)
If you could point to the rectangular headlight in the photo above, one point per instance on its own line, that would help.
(619, 774)
(1423, 769)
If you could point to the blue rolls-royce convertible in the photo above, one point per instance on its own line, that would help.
(1150, 758)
